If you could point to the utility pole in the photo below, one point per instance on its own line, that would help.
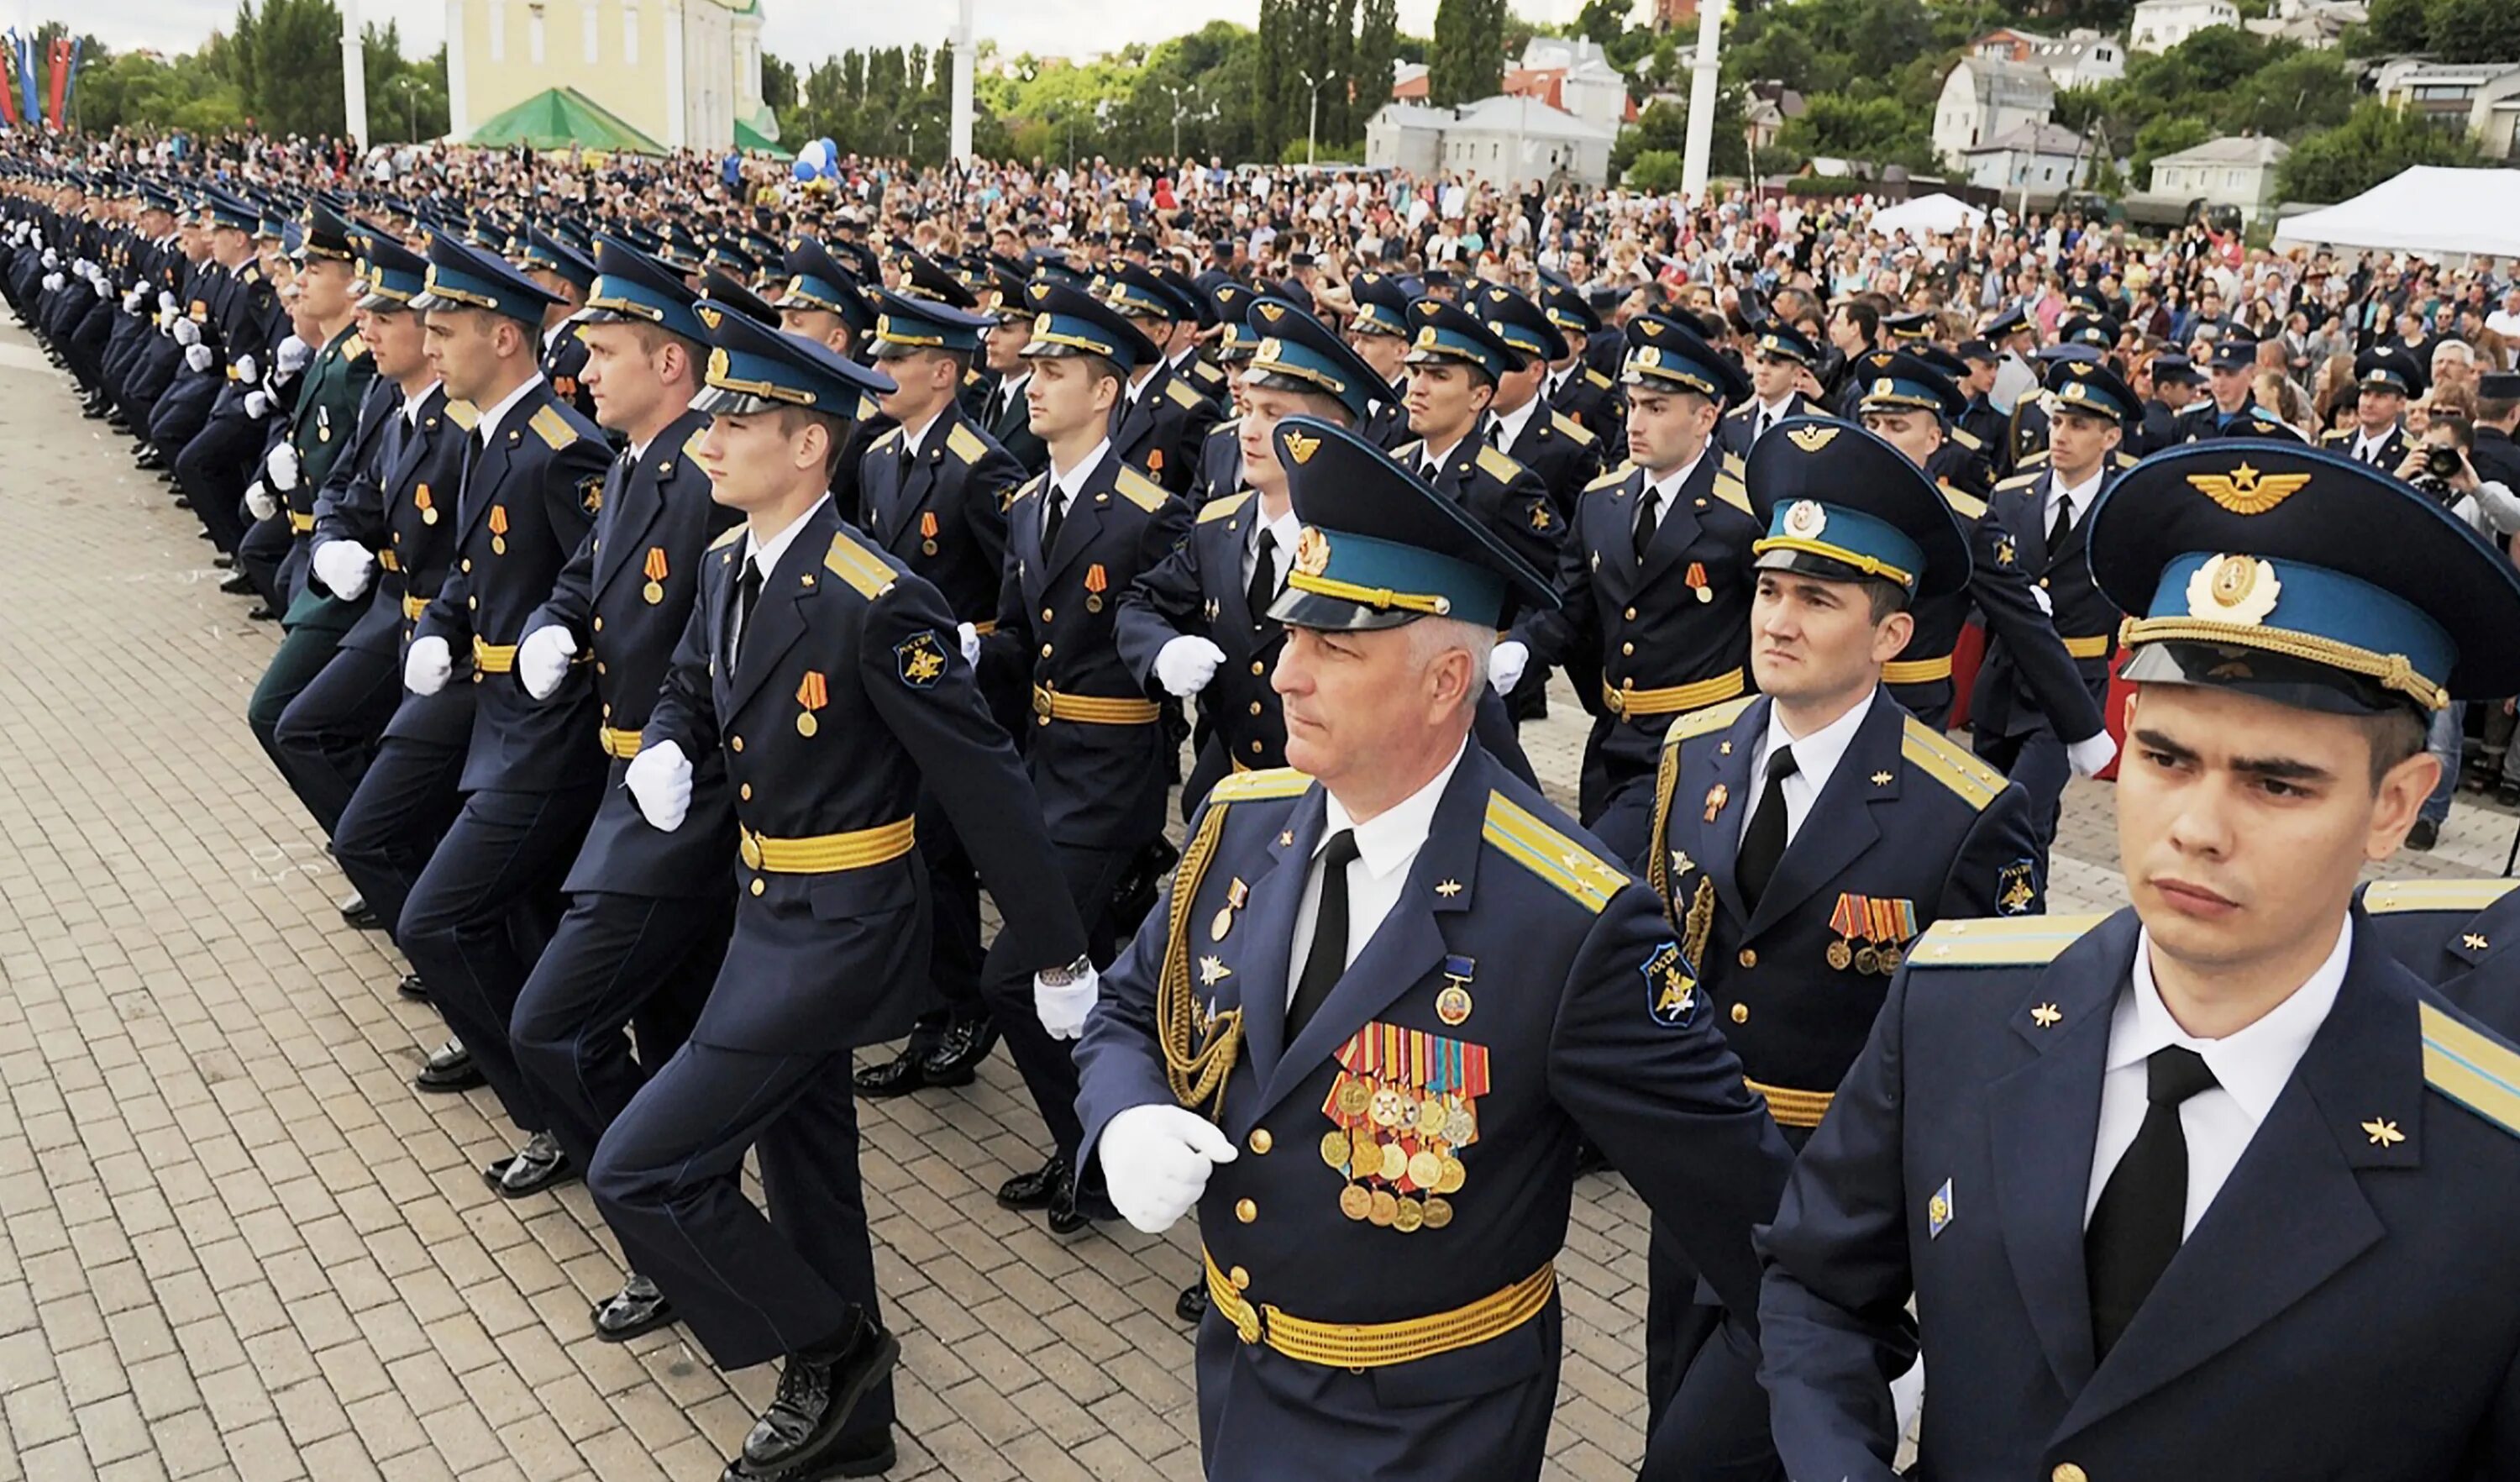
(1700, 142)
(958, 144)
(354, 76)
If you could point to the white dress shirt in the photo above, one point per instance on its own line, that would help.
(1512, 423)
(1285, 530)
(412, 402)
(1428, 457)
(1662, 491)
(497, 412)
(2367, 447)
(1387, 845)
(1008, 396)
(2079, 499)
(2250, 1068)
(1065, 485)
(911, 437)
(1816, 756)
(765, 555)
(1768, 415)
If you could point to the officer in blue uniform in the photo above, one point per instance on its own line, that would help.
(2081, 336)
(937, 490)
(1455, 362)
(1219, 457)
(2232, 410)
(531, 780)
(560, 269)
(2214, 1177)
(1655, 578)
(2044, 514)
(2384, 378)
(1003, 414)
(826, 681)
(1077, 536)
(2174, 386)
(2452, 933)
(1379, 334)
(1566, 454)
(1782, 360)
(230, 302)
(1803, 839)
(1584, 395)
(1432, 1002)
(1163, 418)
(648, 913)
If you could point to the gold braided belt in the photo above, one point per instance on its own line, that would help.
(413, 606)
(825, 853)
(619, 744)
(1792, 1108)
(1917, 671)
(493, 659)
(1674, 699)
(1048, 705)
(1378, 1345)
(301, 525)
(2096, 646)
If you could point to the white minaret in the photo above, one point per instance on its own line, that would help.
(963, 62)
(1701, 102)
(354, 76)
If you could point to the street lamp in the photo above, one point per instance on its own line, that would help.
(409, 86)
(1312, 108)
(1180, 111)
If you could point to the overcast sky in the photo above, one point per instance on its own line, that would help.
(803, 30)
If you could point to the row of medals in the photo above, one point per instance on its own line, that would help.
(1868, 958)
(1355, 1156)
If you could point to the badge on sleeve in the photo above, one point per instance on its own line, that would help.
(921, 658)
(2016, 888)
(589, 494)
(1671, 990)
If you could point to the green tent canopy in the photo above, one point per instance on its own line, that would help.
(562, 117)
(759, 135)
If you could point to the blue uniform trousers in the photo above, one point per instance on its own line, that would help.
(327, 732)
(404, 804)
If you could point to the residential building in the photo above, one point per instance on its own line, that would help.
(1574, 76)
(2237, 170)
(1505, 141)
(2080, 58)
(686, 73)
(2042, 159)
(2481, 100)
(1987, 97)
(2317, 25)
(2157, 26)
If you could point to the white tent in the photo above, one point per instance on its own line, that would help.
(2426, 208)
(1926, 215)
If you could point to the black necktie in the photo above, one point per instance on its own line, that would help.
(748, 593)
(1765, 842)
(1767, 420)
(1496, 432)
(1648, 520)
(1264, 575)
(1050, 527)
(2060, 527)
(1434, 471)
(1328, 958)
(2139, 1221)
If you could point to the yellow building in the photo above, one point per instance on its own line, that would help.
(685, 74)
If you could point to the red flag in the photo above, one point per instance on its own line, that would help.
(61, 77)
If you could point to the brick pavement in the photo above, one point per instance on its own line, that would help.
(235, 1245)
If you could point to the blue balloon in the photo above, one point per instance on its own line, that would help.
(803, 170)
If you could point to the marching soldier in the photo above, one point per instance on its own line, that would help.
(1521, 420)
(2212, 1177)
(2045, 516)
(1005, 416)
(1803, 839)
(824, 680)
(1783, 361)
(648, 913)
(1077, 537)
(936, 493)
(1219, 457)
(2078, 338)
(2174, 387)
(531, 782)
(2232, 410)
(1589, 397)
(1417, 971)
(1980, 419)
(566, 275)
(825, 303)
(1162, 418)
(2378, 438)
(1655, 578)
(1378, 332)
(230, 300)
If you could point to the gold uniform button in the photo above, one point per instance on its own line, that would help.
(1740, 1013)
(757, 886)
(1255, 748)
(1257, 668)
(1627, 649)
(599, 666)
(1246, 1211)
(1632, 615)
(1045, 614)
(1748, 959)
(473, 602)
(1261, 1141)
(735, 743)
(2067, 1471)
(1255, 707)
(1241, 1279)
(467, 562)
(744, 792)
(1045, 650)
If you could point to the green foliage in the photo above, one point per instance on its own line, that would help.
(1662, 127)
(2474, 30)
(406, 99)
(2166, 135)
(2372, 144)
(278, 68)
(288, 63)
(1879, 130)
(1469, 61)
(1656, 172)
(1826, 187)
(2391, 26)
(1326, 154)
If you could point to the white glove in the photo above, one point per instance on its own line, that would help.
(1062, 1008)
(52, 259)
(167, 303)
(257, 404)
(280, 465)
(543, 660)
(344, 566)
(971, 637)
(293, 355)
(197, 356)
(258, 501)
(188, 335)
(248, 369)
(52, 283)
(660, 780)
(135, 301)
(1184, 666)
(2091, 755)
(2040, 596)
(1157, 1160)
(427, 667)
(1506, 663)
(104, 286)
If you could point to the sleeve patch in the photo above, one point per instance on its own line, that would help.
(590, 493)
(1671, 987)
(2016, 888)
(921, 660)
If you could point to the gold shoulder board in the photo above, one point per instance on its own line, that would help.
(1561, 863)
(1218, 509)
(729, 536)
(1182, 394)
(2017, 481)
(1729, 489)
(1572, 428)
(1933, 753)
(552, 428)
(463, 414)
(966, 444)
(1966, 438)
(1712, 718)
(692, 444)
(1498, 465)
(1598, 378)
(2394, 897)
(1611, 478)
(1232, 426)
(354, 348)
(1139, 490)
(1967, 505)
(2471, 1065)
(1267, 783)
(856, 565)
(889, 438)
(1999, 941)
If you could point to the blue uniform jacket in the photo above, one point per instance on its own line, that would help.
(405, 513)
(626, 595)
(2348, 1307)
(1102, 785)
(525, 508)
(1507, 497)
(2085, 621)
(1592, 400)
(1543, 982)
(2002, 596)
(2453, 934)
(940, 510)
(1910, 829)
(1220, 464)
(1160, 430)
(1566, 457)
(1737, 431)
(2204, 422)
(850, 695)
(1199, 589)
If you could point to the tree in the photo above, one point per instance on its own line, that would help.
(2373, 144)
(2166, 135)
(1468, 62)
(2473, 30)
(2392, 26)
(1377, 50)
(289, 64)
(1656, 172)
(1602, 21)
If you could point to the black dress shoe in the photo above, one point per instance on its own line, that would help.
(149, 457)
(358, 913)
(237, 584)
(1079, 1203)
(183, 501)
(955, 1059)
(451, 1068)
(898, 1076)
(1034, 1189)
(2507, 794)
(637, 1308)
(530, 1169)
(412, 988)
(855, 1458)
(818, 1391)
(1191, 1305)
(262, 612)
(2424, 834)
(223, 561)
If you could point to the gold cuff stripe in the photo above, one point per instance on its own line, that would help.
(301, 525)
(494, 658)
(2094, 647)
(827, 853)
(1674, 700)
(1378, 1345)
(621, 745)
(413, 606)
(1792, 1108)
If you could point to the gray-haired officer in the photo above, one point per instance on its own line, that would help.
(2214, 1177)
(826, 681)
(1415, 971)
